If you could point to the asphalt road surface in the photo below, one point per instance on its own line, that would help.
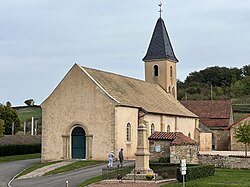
(74, 178)
(10, 169)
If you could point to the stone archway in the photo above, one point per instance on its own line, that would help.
(67, 141)
(78, 147)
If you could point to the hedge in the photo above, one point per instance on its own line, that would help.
(196, 172)
(19, 149)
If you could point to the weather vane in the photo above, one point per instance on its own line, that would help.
(160, 4)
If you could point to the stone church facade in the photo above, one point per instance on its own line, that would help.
(92, 112)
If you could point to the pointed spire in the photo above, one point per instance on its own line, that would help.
(160, 46)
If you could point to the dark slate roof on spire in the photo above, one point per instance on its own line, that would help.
(160, 46)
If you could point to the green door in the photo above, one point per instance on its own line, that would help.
(78, 143)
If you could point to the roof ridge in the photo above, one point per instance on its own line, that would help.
(239, 120)
(124, 76)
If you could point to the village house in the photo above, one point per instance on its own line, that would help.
(92, 112)
(173, 146)
(234, 145)
(215, 116)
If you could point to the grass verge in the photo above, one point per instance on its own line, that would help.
(35, 167)
(111, 175)
(19, 157)
(75, 165)
(91, 181)
(221, 178)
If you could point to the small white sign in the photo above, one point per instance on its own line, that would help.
(183, 164)
(183, 167)
(157, 148)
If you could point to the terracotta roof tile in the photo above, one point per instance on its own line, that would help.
(137, 93)
(177, 138)
(211, 112)
(215, 122)
(210, 108)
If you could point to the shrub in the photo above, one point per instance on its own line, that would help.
(164, 160)
(165, 175)
(1, 127)
(196, 172)
(149, 177)
(7, 150)
(119, 176)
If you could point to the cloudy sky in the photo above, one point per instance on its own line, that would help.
(41, 40)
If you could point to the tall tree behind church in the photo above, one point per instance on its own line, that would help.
(215, 83)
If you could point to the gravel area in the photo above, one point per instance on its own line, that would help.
(124, 184)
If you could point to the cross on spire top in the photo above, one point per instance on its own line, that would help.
(160, 4)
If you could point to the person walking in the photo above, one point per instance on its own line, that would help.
(110, 159)
(121, 157)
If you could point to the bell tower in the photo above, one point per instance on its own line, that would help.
(160, 60)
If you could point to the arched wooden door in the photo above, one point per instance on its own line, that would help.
(78, 143)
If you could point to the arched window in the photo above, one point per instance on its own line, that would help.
(156, 70)
(128, 132)
(168, 128)
(189, 135)
(171, 71)
(152, 128)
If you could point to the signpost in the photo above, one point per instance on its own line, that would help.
(183, 170)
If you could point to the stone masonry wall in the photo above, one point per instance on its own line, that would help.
(159, 149)
(205, 141)
(238, 146)
(222, 139)
(188, 152)
(225, 161)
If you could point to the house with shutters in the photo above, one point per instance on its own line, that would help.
(92, 112)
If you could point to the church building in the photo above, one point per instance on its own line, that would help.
(92, 112)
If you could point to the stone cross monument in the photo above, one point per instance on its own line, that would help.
(142, 153)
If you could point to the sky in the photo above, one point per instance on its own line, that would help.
(41, 40)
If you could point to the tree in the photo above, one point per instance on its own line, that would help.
(9, 116)
(1, 127)
(29, 102)
(246, 70)
(242, 134)
(8, 104)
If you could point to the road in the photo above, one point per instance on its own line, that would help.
(74, 178)
(10, 169)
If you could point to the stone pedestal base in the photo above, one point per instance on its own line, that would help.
(143, 171)
(133, 176)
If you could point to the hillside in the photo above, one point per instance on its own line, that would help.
(25, 113)
(219, 83)
(241, 106)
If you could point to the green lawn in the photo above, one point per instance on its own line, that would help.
(222, 177)
(75, 165)
(19, 157)
(29, 112)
